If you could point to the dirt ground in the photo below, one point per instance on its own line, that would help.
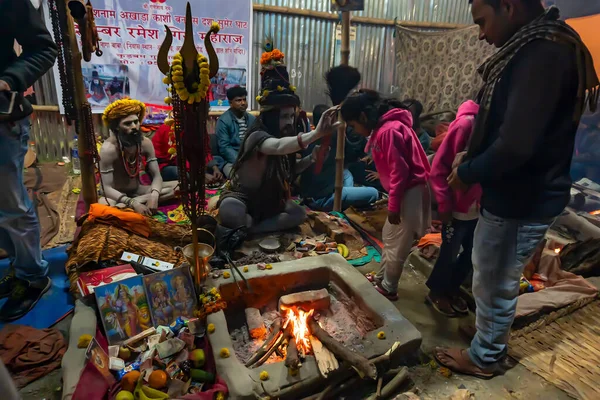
(517, 383)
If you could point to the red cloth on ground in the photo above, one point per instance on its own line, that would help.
(160, 140)
(30, 353)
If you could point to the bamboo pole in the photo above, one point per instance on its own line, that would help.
(341, 134)
(290, 11)
(88, 179)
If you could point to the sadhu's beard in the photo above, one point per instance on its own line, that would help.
(133, 138)
(287, 130)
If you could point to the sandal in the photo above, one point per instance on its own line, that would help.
(388, 295)
(457, 360)
(459, 304)
(372, 277)
(440, 304)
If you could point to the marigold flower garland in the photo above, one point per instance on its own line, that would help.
(175, 77)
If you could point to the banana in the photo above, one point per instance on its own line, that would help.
(343, 250)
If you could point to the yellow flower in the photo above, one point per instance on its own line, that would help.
(191, 99)
(167, 80)
(246, 269)
(184, 96)
(264, 375)
(268, 266)
(204, 300)
(177, 78)
(176, 73)
(226, 274)
(172, 151)
(176, 63)
(279, 88)
(168, 100)
(177, 56)
(204, 71)
(179, 85)
(213, 291)
(210, 328)
(266, 93)
(258, 98)
(293, 88)
(169, 121)
(381, 335)
(215, 27)
(224, 353)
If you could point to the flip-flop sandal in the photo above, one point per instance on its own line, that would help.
(459, 305)
(464, 365)
(388, 295)
(372, 277)
(436, 307)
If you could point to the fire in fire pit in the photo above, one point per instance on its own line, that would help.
(296, 320)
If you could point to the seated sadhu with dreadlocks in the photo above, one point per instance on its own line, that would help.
(258, 195)
(122, 157)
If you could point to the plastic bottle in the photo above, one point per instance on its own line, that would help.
(75, 157)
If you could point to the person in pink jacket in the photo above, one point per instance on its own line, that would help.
(459, 212)
(403, 170)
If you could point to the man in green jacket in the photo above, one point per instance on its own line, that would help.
(232, 126)
(27, 280)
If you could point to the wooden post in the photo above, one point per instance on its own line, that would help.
(88, 173)
(341, 136)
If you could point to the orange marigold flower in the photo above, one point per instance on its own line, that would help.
(277, 54)
(265, 58)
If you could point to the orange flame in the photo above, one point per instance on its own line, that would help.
(597, 212)
(557, 250)
(299, 321)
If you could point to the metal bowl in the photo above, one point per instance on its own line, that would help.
(270, 245)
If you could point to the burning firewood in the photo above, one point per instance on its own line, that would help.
(326, 361)
(256, 324)
(363, 365)
(292, 360)
(273, 336)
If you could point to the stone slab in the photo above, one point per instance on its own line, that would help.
(307, 300)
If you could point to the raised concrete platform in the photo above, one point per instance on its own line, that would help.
(310, 273)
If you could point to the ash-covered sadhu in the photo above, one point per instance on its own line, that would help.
(258, 195)
(122, 159)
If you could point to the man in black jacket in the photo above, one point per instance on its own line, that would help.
(28, 279)
(520, 154)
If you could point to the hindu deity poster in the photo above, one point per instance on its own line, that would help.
(170, 295)
(124, 309)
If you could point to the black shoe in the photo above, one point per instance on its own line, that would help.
(24, 297)
(6, 284)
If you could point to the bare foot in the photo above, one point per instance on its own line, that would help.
(459, 361)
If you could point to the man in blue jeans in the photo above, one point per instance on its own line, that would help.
(27, 280)
(520, 152)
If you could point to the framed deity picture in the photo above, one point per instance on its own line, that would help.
(171, 295)
(124, 309)
(99, 359)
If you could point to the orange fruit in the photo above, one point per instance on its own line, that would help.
(158, 379)
(129, 380)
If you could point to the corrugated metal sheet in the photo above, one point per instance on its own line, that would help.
(309, 43)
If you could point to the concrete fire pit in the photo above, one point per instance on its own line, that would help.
(310, 273)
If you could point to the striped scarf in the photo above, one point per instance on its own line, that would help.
(547, 27)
